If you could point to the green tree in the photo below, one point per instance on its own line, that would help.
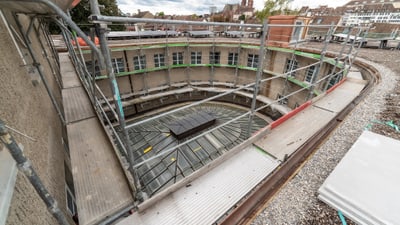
(160, 14)
(242, 17)
(81, 12)
(274, 7)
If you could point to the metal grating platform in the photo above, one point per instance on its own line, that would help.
(152, 138)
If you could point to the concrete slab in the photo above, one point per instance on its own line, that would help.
(355, 75)
(290, 138)
(365, 184)
(345, 92)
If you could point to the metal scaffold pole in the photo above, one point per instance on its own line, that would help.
(25, 166)
(321, 61)
(101, 29)
(260, 67)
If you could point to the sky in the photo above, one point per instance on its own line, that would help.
(199, 7)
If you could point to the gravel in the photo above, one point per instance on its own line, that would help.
(297, 202)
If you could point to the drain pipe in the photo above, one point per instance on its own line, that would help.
(25, 166)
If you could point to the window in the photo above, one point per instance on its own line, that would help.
(309, 74)
(139, 62)
(332, 82)
(215, 57)
(118, 65)
(232, 58)
(159, 60)
(298, 30)
(252, 60)
(177, 58)
(196, 58)
(335, 78)
(69, 190)
(290, 66)
(89, 66)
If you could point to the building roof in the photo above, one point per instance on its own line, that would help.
(370, 2)
(325, 20)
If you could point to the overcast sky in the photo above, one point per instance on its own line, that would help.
(188, 7)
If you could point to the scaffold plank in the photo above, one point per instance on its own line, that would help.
(100, 184)
(76, 105)
(68, 74)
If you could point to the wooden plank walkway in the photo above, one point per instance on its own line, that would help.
(101, 187)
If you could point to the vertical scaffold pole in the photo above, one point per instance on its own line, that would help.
(93, 58)
(321, 60)
(101, 32)
(260, 67)
(338, 58)
(25, 166)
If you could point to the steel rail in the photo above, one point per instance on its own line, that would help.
(119, 19)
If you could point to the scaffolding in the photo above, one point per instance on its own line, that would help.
(111, 111)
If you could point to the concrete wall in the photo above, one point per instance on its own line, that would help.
(27, 108)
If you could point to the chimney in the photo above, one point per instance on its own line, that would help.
(250, 4)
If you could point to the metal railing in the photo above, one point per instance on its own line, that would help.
(109, 112)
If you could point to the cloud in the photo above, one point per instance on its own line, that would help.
(188, 7)
(172, 7)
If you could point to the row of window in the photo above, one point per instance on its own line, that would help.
(310, 79)
(139, 62)
(177, 59)
(292, 65)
